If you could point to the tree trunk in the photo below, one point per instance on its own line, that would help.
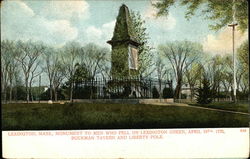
(191, 92)
(4, 89)
(15, 93)
(91, 90)
(218, 91)
(10, 93)
(51, 91)
(178, 89)
(5, 95)
(27, 91)
(71, 92)
(160, 92)
(30, 91)
(55, 92)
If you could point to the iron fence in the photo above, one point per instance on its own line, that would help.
(101, 88)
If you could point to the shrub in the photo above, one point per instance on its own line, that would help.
(168, 92)
(183, 96)
(205, 94)
(127, 91)
(155, 93)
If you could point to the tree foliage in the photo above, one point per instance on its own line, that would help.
(93, 59)
(204, 93)
(9, 68)
(139, 31)
(155, 93)
(243, 60)
(168, 93)
(219, 11)
(180, 55)
(243, 54)
(193, 76)
(28, 55)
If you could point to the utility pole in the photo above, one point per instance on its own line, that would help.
(233, 25)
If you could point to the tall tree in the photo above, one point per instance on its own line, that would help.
(93, 58)
(215, 68)
(59, 75)
(139, 31)
(243, 54)
(70, 60)
(243, 60)
(204, 93)
(219, 11)
(180, 55)
(50, 58)
(161, 72)
(193, 76)
(9, 67)
(27, 55)
(226, 74)
(35, 72)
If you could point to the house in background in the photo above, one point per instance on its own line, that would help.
(186, 92)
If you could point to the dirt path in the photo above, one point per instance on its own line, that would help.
(197, 107)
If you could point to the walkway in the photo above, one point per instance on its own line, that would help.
(197, 107)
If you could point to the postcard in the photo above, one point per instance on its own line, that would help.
(124, 79)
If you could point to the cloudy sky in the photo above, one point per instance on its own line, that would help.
(59, 21)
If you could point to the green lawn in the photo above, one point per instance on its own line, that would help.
(239, 107)
(113, 116)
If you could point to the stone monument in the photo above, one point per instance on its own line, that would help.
(124, 46)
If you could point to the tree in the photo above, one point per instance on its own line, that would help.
(27, 55)
(228, 62)
(180, 55)
(70, 59)
(93, 60)
(161, 72)
(204, 95)
(55, 70)
(79, 77)
(34, 74)
(59, 76)
(51, 59)
(243, 60)
(80, 74)
(215, 68)
(220, 11)
(155, 93)
(243, 54)
(144, 50)
(193, 75)
(167, 93)
(9, 67)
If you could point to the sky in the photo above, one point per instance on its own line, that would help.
(59, 21)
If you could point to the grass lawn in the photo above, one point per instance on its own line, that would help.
(113, 116)
(239, 107)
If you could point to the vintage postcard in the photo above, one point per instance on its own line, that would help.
(125, 79)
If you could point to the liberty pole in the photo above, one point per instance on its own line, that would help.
(234, 61)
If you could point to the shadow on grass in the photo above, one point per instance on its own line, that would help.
(113, 116)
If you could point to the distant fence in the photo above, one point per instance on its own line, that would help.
(120, 88)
